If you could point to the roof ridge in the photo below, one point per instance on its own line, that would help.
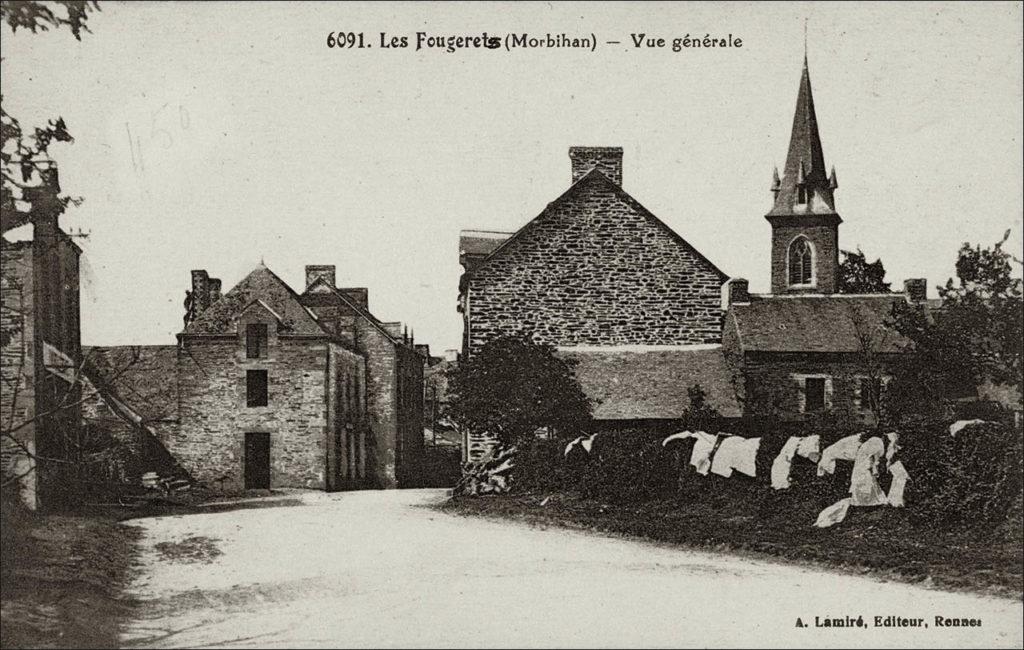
(365, 313)
(622, 194)
(291, 293)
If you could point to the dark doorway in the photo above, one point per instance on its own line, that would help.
(257, 461)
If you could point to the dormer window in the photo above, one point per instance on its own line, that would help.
(802, 195)
(801, 262)
(255, 340)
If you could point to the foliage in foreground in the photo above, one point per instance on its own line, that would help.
(514, 386)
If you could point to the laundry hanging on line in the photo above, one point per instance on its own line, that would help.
(845, 449)
(807, 447)
(736, 453)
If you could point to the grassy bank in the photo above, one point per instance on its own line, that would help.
(63, 580)
(881, 542)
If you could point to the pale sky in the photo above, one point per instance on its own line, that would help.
(251, 139)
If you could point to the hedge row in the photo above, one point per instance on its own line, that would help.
(972, 479)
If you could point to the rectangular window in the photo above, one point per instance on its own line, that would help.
(255, 387)
(814, 394)
(255, 340)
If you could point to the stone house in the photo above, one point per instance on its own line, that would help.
(268, 388)
(393, 375)
(266, 396)
(595, 268)
(607, 283)
(40, 358)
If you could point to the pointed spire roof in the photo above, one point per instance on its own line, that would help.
(805, 161)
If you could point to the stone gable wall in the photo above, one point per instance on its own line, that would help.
(209, 442)
(595, 272)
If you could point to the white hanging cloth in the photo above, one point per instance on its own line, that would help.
(736, 453)
(899, 483)
(844, 449)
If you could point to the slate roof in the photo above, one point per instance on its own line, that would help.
(480, 242)
(834, 323)
(260, 285)
(652, 383)
(146, 384)
(317, 299)
(595, 176)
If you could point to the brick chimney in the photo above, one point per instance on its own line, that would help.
(215, 286)
(316, 271)
(737, 291)
(607, 160)
(916, 289)
(200, 291)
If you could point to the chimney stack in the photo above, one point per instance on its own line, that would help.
(200, 291)
(737, 291)
(215, 286)
(916, 289)
(607, 160)
(316, 271)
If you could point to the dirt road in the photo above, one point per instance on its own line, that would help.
(378, 569)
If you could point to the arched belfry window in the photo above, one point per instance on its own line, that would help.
(801, 261)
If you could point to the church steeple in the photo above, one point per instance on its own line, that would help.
(805, 225)
(805, 186)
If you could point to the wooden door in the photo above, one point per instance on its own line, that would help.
(257, 461)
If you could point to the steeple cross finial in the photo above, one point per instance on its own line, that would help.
(805, 42)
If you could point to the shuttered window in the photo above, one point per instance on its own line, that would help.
(255, 387)
(256, 340)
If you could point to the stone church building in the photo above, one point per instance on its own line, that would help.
(646, 315)
(805, 350)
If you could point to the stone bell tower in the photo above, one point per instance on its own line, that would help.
(805, 224)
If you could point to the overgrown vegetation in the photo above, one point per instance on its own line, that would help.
(975, 338)
(63, 579)
(513, 387)
(857, 275)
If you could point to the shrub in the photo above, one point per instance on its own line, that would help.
(542, 467)
(972, 479)
(627, 467)
(622, 467)
(513, 387)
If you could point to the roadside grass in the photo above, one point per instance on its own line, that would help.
(64, 576)
(63, 580)
(885, 543)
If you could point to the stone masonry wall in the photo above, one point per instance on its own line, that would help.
(214, 418)
(823, 237)
(346, 464)
(381, 405)
(769, 378)
(595, 271)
